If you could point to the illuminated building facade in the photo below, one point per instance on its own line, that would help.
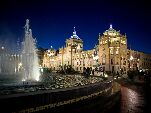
(111, 54)
(138, 60)
(113, 51)
(9, 63)
(72, 55)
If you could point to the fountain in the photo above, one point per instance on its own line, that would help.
(29, 56)
(21, 64)
(27, 92)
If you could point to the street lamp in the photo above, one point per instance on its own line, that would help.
(2, 48)
(131, 58)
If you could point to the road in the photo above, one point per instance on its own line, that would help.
(135, 98)
(131, 100)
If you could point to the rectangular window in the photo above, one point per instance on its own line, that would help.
(111, 51)
(124, 63)
(117, 51)
(111, 61)
(77, 68)
(103, 61)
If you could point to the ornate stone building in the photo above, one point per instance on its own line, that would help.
(72, 55)
(113, 51)
(111, 54)
(138, 60)
(9, 63)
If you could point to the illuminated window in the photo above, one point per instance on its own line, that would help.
(123, 42)
(111, 51)
(77, 68)
(103, 48)
(105, 41)
(111, 61)
(104, 59)
(117, 51)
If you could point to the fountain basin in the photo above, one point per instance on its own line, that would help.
(47, 99)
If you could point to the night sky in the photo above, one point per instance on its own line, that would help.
(52, 21)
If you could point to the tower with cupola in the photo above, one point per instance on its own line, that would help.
(73, 45)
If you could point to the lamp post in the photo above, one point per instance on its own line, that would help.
(131, 59)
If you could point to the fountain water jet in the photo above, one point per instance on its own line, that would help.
(29, 56)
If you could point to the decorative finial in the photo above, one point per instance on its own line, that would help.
(111, 27)
(74, 32)
(51, 47)
(74, 28)
(125, 35)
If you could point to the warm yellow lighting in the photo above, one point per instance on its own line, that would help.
(96, 57)
(131, 58)
(117, 51)
(111, 51)
(105, 75)
(20, 64)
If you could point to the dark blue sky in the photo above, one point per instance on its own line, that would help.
(52, 21)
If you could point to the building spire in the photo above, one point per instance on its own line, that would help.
(111, 27)
(74, 32)
(74, 29)
(99, 34)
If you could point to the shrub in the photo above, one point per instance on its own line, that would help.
(108, 73)
(131, 74)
